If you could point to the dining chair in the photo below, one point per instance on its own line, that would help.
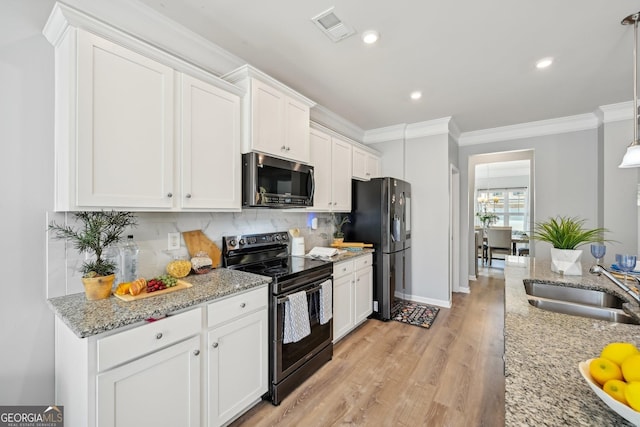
(498, 241)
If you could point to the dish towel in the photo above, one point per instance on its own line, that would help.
(326, 298)
(296, 318)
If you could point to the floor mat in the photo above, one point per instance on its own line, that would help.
(413, 313)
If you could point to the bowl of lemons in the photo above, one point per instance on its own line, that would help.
(614, 377)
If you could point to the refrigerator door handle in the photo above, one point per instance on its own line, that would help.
(396, 229)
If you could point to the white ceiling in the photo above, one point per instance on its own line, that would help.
(473, 60)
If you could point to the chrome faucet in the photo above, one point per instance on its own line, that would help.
(598, 269)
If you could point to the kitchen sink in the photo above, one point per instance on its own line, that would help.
(577, 302)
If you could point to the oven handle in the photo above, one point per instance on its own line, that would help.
(309, 291)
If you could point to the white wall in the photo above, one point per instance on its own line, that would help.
(26, 173)
(565, 180)
(426, 167)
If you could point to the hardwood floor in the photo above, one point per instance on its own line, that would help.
(393, 374)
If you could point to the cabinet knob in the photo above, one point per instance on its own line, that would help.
(283, 148)
(159, 335)
(214, 345)
(169, 195)
(288, 148)
(242, 305)
(196, 352)
(188, 196)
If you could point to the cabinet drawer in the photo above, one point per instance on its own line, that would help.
(363, 261)
(342, 268)
(227, 309)
(121, 347)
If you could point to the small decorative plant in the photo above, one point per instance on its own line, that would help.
(95, 232)
(339, 221)
(567, 232)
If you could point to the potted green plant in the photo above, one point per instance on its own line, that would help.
(93, 234)
(339, 221)
(565, 234)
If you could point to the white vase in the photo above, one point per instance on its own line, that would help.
(566, 261)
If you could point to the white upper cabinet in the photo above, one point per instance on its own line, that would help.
(125, 125)
(366, 165)
(210, 141)
(137, 128)
(275, 118)
(331, 158)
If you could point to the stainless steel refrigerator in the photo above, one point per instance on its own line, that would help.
(381, 214)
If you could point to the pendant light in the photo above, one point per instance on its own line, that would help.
(632, 157)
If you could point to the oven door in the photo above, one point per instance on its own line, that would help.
(289, 357)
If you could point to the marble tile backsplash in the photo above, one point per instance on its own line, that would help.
(63, 261)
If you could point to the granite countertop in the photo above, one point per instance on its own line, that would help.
(543, 385)
(86, 318)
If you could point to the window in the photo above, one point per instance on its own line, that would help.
(510, 206)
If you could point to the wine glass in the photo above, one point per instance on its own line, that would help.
(598, 250)
(626, 263)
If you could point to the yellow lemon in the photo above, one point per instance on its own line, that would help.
(616, 389)
(603, 370)
(631, 368)
(618, 351)
(632, 394)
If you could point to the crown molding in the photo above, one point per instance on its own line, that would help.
(249, 71)
(531, 129)
(331, 120)
(615, 112)
(441, 126)
(140, 21)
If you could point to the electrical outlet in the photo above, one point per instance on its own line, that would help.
(173, 241)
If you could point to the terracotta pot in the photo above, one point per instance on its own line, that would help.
(98, 287)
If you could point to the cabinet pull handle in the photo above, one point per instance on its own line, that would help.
(242, 305)
(188, 196)
(196, 352)
(214, 345)
(159, 335)
(169, 195)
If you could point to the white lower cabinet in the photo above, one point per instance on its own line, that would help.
(183, 370)
(140, 392)
(352, 294)
(237, 359)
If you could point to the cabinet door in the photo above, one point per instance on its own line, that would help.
(343, 315)
(162, 389)
(296, 130)
(267, 119)
(125, 122)
(211, 162)
(238, 366)
(363, 294)
(341, 175)
(320, 145)
(372, 169)
(359, 164)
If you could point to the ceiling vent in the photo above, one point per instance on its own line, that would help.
(332, 26)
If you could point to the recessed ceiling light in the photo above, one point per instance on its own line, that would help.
(370, 37)
(544, 63)
(416, 95)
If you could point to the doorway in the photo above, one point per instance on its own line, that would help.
(501, 194)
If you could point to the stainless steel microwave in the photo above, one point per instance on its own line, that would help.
(276, 183)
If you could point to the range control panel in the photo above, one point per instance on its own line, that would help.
(250, 241)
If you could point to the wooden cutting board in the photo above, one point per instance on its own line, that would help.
(180, 284)
(197, 241)
(352, 245)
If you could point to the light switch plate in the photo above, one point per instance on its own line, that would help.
(173, 241)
